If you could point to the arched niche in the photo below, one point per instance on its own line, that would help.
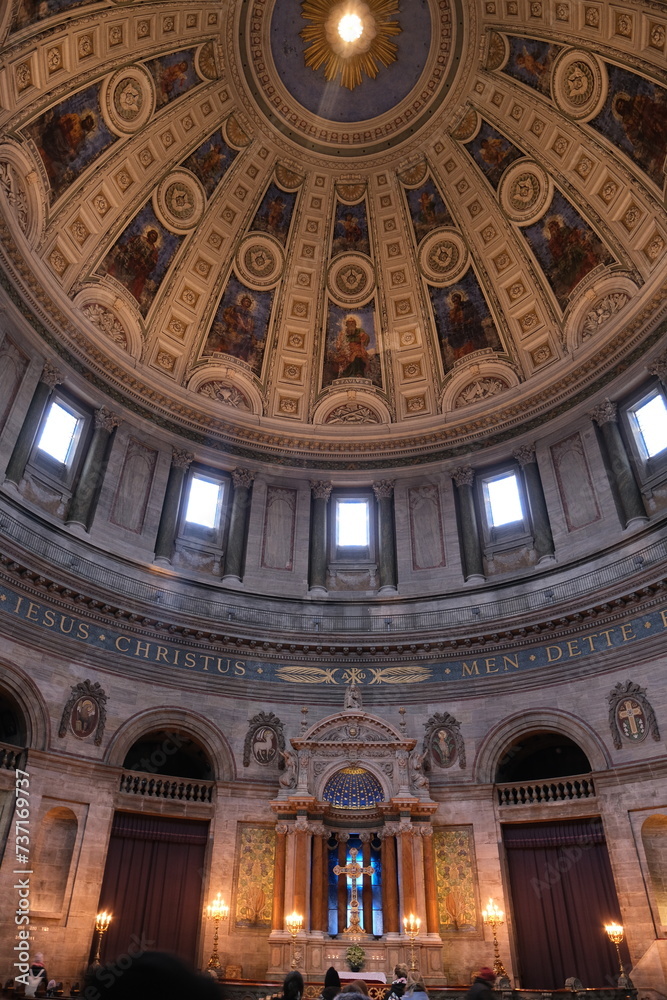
(654, 839)
(175, 721)
(541, 754)
(22, 700)
(499, 739)
(52, 862)
(169, 752)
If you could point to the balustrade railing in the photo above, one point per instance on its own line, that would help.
(539, 792)
(12, 758)
(156, 787)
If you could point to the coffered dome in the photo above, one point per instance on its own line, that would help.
(227, 222)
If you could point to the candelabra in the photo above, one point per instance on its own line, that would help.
(494, 916)
(217, 911)
(294, 923)
(615, 934)
(102, 921)
(411, 926)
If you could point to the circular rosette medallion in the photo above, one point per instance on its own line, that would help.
(443, 257)
(260, 260)
(524, 192)
(351, 278)
(128, 100)
(579, 84)
(179, 201)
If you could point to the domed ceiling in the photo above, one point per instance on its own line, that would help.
(332, 253)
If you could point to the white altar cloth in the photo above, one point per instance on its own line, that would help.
(368, 977)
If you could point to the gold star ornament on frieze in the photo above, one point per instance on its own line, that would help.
(350, 37)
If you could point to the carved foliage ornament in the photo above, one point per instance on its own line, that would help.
(443, 744)
(85, 712)
(631, 717)
(11, 184)
(264, 740)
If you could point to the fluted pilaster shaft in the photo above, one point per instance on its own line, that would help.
(50, 378)
(84, 501)
(430, 891)
(164, 543)
(471, 552)
(278, 914)
(543, 539)
(318, 536)
(238, 524)
(384, 495)
(389, 885)
(624, 485)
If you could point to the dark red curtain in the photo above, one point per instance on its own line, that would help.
(153, 885)
(563, 894)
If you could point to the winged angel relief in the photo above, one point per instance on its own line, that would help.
(350, 37)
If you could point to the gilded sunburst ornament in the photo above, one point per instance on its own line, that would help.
(367, 26)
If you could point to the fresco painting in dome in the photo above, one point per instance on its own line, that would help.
(351, 345)
(210, 161)
(530, 61)
(241, 324)
(463, 320)
(427, 209)
(141, 257)
(275, 213)
(351, 229)
(174, 75)
(565, 246)
(36, 10)
(492, 152)
(69, 137)
(634, 119)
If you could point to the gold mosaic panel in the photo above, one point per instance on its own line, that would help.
(456, 880)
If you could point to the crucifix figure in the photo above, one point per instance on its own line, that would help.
(355, 871)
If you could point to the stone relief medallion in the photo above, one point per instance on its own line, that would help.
(352, 413)
(351, 278)
(128, 100)
(524, 191)
(443, 257)
(579, 84)
(179, 201)
(225, 392)
(206, 64)
(260, 260)
(85, 712)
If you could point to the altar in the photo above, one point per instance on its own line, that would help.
(354, 852)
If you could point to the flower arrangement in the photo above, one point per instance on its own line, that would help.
(355, 956)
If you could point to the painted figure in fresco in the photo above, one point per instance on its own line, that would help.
(134, 260)
(539, 70)
(467, 330)
(171, 79)
(275, 215)
(494, 151)
(234, 333)
(644, 121)
(573, 252)
(427, 214)
(351, 355)
(352, 233)
(62, 138)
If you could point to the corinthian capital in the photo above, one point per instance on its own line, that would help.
(384, 489)
(321, 489)
(464, 475)
(605, 413)
(51, 375)
(181, 459)
(242, 477)
(525, 455)
(106, 419)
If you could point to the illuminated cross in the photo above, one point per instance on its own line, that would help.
(354, 870)
(631, 714)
